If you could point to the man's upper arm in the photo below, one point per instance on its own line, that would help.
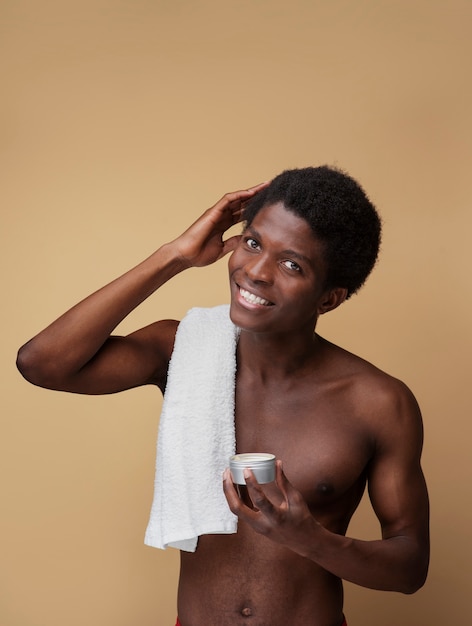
(125, 362)
(397, 487)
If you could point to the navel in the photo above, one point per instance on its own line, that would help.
(246, 611)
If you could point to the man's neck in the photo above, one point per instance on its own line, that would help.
(274, 357)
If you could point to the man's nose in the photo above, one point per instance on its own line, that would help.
(260, 270)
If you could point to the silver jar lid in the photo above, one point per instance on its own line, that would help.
(261, 464)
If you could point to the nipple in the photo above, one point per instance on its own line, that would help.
(325, 489)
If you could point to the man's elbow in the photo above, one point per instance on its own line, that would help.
(32, 365)
(415, 578)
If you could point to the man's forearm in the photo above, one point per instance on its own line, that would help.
(66, 345)
(395, 564)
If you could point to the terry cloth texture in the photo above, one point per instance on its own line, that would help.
(196, 433)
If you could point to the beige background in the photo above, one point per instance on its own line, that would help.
(121, 121)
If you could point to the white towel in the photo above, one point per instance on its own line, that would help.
(196, 433)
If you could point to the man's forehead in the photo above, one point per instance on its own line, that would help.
(291, 231)
(277, 215)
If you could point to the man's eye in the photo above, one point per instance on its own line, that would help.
(291, 265)
(252, 243)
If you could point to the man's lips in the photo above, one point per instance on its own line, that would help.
(252, 298)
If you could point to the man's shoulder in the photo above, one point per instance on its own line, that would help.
(369, 386)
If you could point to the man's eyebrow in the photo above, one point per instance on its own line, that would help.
(291, 253)
(252, 230)
(296, 255)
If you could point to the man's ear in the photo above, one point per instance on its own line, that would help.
(332, 299)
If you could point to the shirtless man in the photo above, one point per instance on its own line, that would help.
(334, 421)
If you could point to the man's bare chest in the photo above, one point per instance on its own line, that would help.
(321, 440)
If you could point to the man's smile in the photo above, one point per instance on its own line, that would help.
(251, 298)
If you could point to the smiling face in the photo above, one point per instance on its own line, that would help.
(277, 275)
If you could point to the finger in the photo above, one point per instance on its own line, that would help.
(250, 191)
(235, 503)
(281, 480)
(237, 213)
(229, 245)
(290, 494)
(257, 495)
(230, 491)
(259, 186)
(241, 195)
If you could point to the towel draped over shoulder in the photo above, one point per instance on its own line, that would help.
(196, 433)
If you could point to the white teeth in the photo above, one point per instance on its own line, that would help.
(252, 299)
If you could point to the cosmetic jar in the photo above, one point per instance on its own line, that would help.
(261, 464)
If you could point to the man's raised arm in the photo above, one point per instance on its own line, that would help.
(77, 352)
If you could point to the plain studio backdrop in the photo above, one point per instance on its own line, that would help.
(121, 122)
